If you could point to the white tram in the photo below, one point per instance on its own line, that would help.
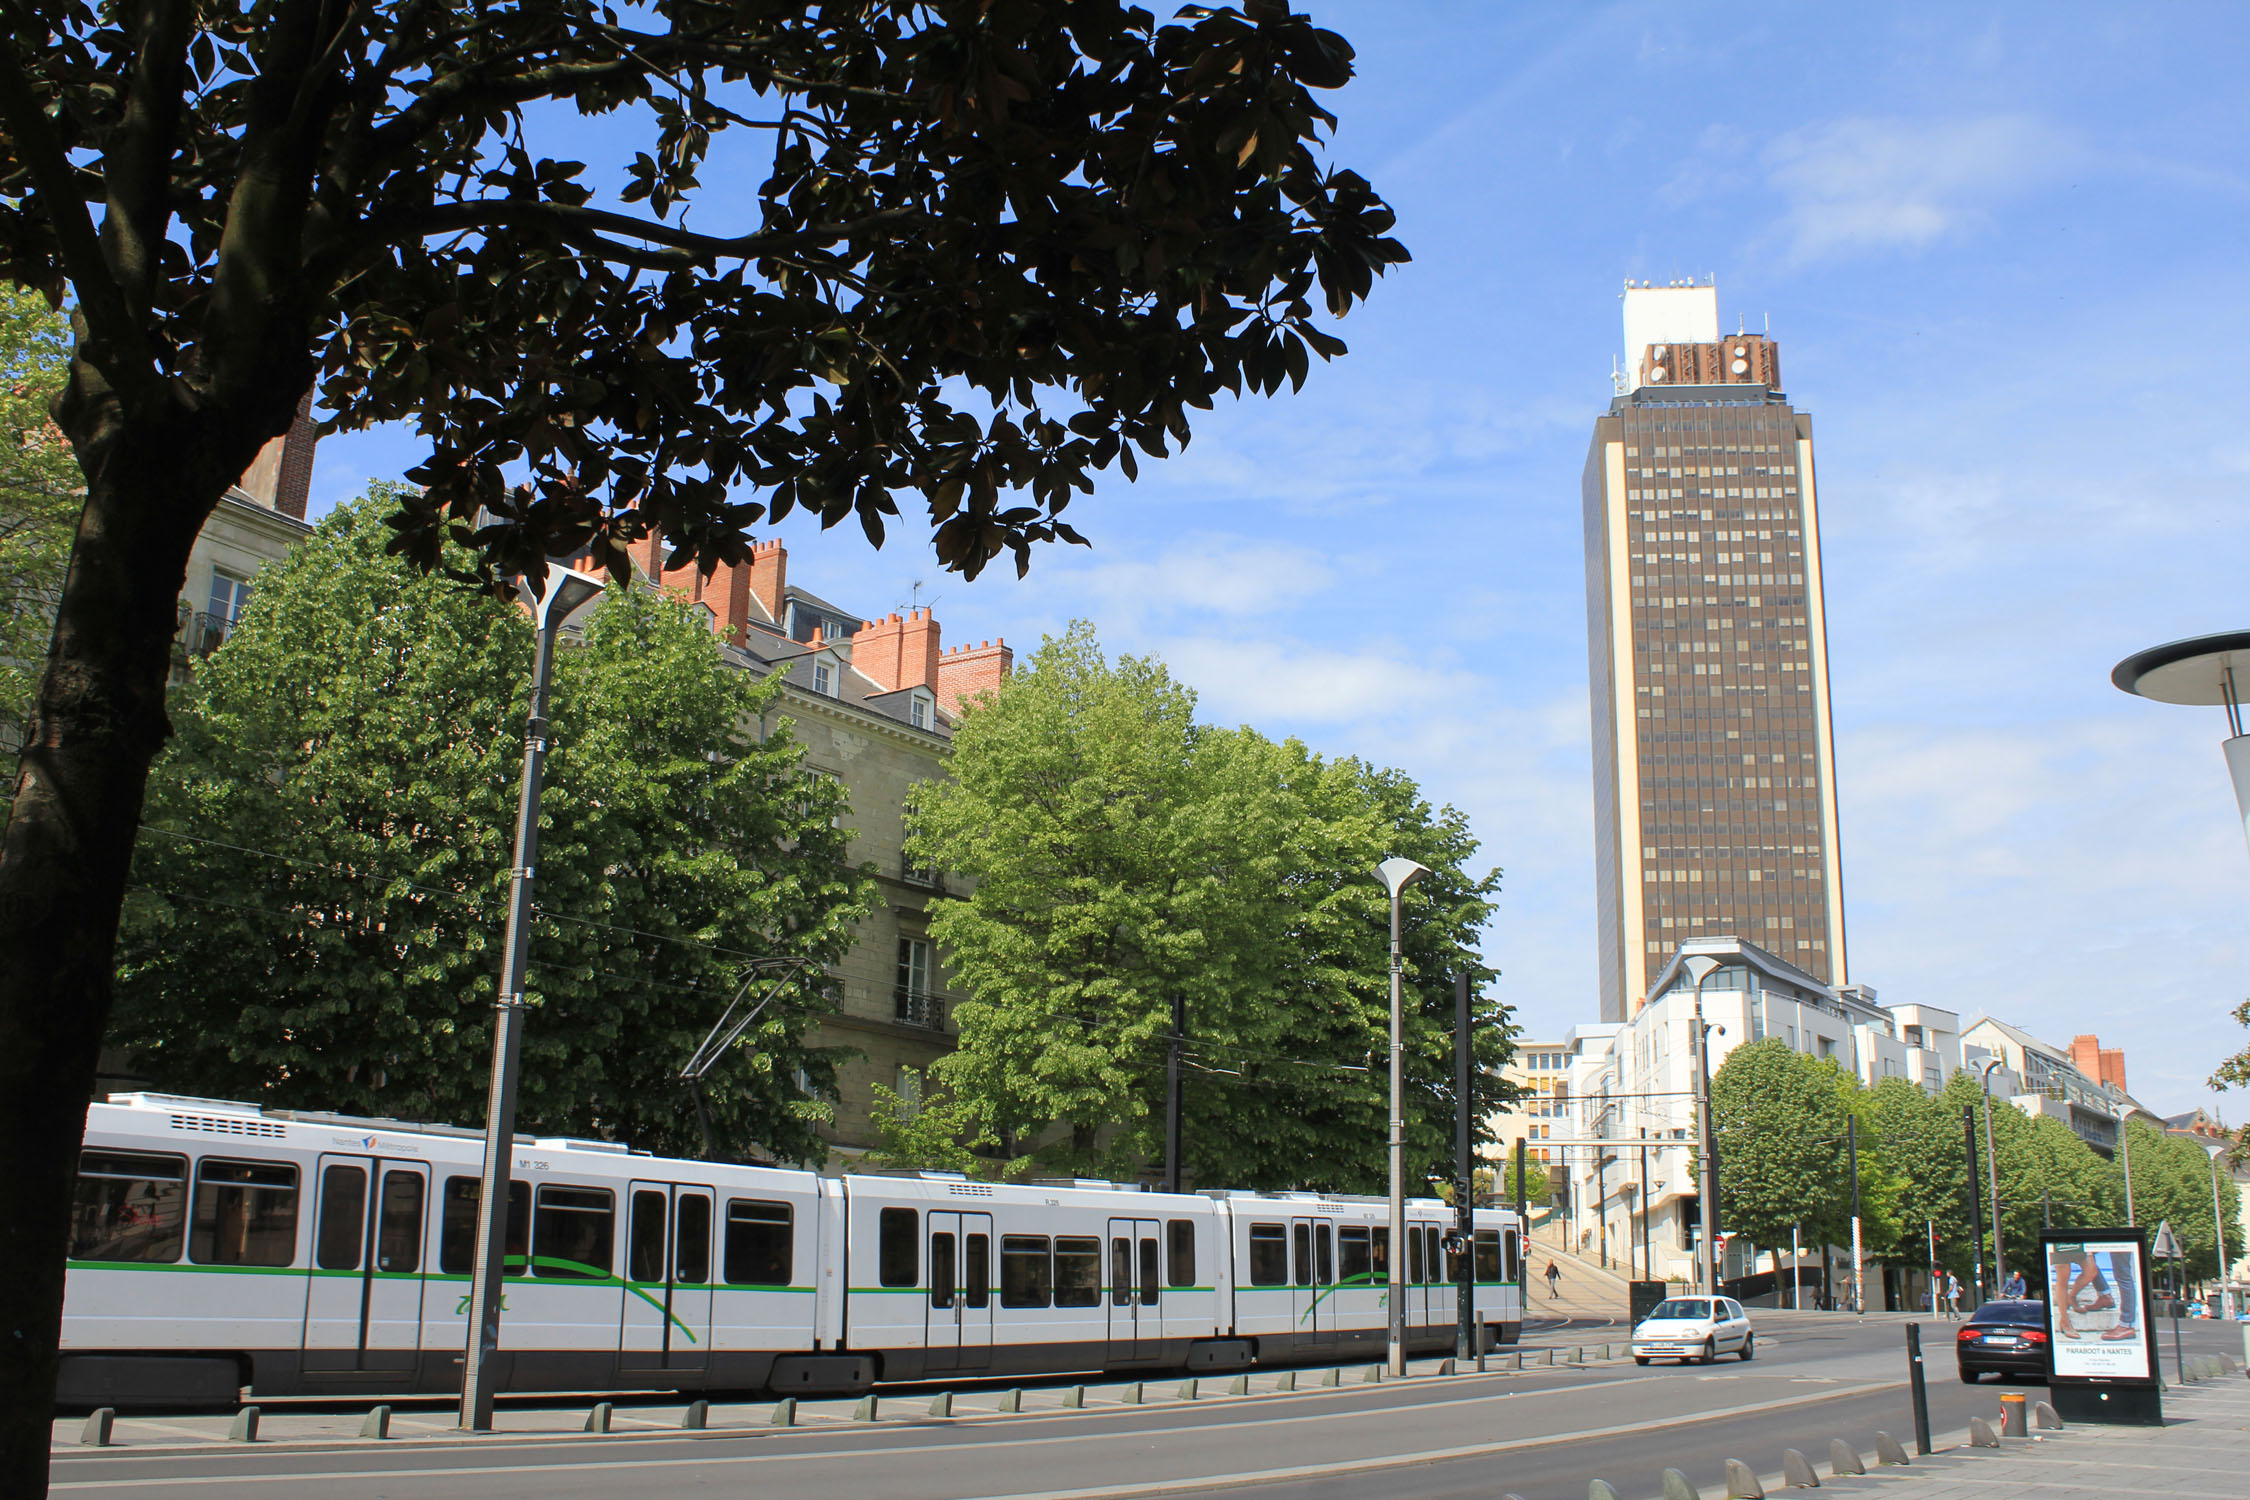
(217, 1246)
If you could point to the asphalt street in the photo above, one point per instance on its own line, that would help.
(1541, 1433)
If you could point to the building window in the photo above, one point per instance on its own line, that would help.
(908, 1087)
(918, 712)
(230, 596)
(824, 679)
(916, 1005)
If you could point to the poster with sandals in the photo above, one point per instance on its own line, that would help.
(2098, 1313)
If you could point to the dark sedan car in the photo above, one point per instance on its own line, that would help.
(2010, 1337)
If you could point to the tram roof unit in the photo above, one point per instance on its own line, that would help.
(190, 1105)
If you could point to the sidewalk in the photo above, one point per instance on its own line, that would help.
(424, 1420)
(2202, 1452)
(1584, 1289)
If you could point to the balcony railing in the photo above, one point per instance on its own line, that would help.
(928, 877)
(200, 632)
(918, 1009)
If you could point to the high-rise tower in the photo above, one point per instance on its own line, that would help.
(1714, 756)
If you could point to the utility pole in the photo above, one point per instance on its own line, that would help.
(1172, 1095)
(1523, 1232)
(1976, 1198)
(1466, 1342)
(1708, 1259)
(2125, 1150)
(1859, 1277)
(1992, 1177)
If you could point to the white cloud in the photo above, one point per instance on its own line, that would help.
(1869, 184)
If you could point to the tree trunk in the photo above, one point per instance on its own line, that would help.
(67, 852)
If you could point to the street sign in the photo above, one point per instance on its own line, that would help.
(2167, 1246)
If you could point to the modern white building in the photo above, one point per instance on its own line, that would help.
(2040, 1078)
(1627, 1138)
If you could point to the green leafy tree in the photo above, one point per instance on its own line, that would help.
(39, 496)
(1122, 855)
(1917, 1135)
(1779, 1120)
(993, 248)
(2172, 1183)
(324, 878)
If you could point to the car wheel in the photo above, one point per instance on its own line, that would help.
(1711, 1350)
(1749, 1343)
(1971, 1377)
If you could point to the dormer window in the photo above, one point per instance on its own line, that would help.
(824, 679)
(918, 711)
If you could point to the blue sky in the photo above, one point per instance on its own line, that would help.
(2001, 251)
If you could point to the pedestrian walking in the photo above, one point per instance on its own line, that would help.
(1554, 1274)
(1952, 1298)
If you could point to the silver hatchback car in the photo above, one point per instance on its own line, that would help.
(1694, 1328)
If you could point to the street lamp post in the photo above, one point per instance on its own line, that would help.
(1992, 1178)
(2219, 1226)
(1397, 874)
(1700, 966)
(2206, 671)
(566, 592)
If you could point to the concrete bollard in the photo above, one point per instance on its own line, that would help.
(1677, 1486)
(1599, 1490)
(1797, 1471)
(2046, 1416)
(1074, 1399)
(1742, 1483)
(2012, 1415)
(785, 1412)
(245, 1428)
(1981, 1434)
(941, 1404)
(99, 1423)
(1287, 1382)
(1550, 1357)
(1135, 1394)
(378, 1423)
(1888, 1454)
(1012, 1401)
(1190, 1388)
(597, 1420)
(865, 1411)
(697, 1417)
(1445, 1367)
(1844, 1459)
(1239, 1386)
(1578, 1355)
(1374, 1376)
(1332, 1377)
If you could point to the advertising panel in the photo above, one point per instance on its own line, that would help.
(2098, 1313)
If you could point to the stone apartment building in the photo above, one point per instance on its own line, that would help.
(873, 702)
(257, 522)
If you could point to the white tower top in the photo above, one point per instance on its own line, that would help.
(1675, 314)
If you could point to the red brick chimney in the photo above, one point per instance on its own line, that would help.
(898, 651)
(769, 577)
(726, 592)
(2105, 1065)
(967, 671)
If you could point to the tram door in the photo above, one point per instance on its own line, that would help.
(959, 1333)
(1136, 1289)
(363, 1306)
(1425, 1265)
(1312, 1256)
(665, 1327)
